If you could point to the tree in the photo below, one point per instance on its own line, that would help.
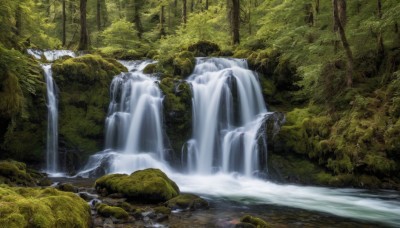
(184, 18)
(338, 22)
(162, 19)
(84, 38)
(64, 19)
(235, 21)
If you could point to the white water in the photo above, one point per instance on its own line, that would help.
(52, 165)
(134, 133)
(50, 55)
(228, 110)
(350, 203)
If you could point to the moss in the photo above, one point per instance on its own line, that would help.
(149, 185)
(67, 187)
(29, 207)
(183, 63)
(150, 69)
(177, 109)
(187, 201)
(82, 109)
(45, 182)
(108, 211)
(257, 222)
(162, 210)
(203, 48)
(15, 173)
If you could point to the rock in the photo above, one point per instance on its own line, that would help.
(116, 195)
(148, 186)
(34, 207)
(67, 187)
(204, 48)
(250, 221)
(44, 182)
(110, 211)
(15, 174)
(108, 223)
(162, 210)
(187, 202)
(87, 196)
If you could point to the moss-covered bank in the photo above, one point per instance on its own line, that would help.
(30, 207)
(83, 101)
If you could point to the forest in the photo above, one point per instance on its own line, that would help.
(293, 92)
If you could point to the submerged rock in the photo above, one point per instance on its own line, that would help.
(187, 202)
(148, 186)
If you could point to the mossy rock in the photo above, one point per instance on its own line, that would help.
(32, 207)
(110, 211)
(162, 210)
(187, 202)
(183, 64)
(150, 69)
(83, 102)
(67, 187)
(148, 186)
(255, 221)
(203, 48)
(15, 174)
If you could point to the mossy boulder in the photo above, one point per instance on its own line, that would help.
(148, 186)
(183, 63)
(150, 69)
(110, 211)
(162, 210)
(15, 174)
(203, 48)
(31, 207)
(187, 202)
(67, 187)
(83, 101)
(251, 221)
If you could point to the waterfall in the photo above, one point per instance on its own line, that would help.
(50, 55)
(134, 124)
(52, 162)
(228, 110)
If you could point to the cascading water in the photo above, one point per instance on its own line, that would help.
(134, 133)
(228, 110)
(52, 165)
(50, 55)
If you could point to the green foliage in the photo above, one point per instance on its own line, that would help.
(30, 207)
(120, 35)
(149, 185)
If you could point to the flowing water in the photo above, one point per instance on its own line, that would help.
(228, 113)
(134, 124)
(228, 110)
(52, 162)
(50, 55)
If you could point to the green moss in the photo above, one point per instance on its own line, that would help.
(187, 201)
(108, 211)
(84, 97)
(257, 222)
(29, 207)
(162, 210)
(150, 69)
(67, 187)
(15, 173)
(203, 48)
(149, 185)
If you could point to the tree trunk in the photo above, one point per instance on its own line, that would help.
(18, 21)
(137, 20)
(175, 8)
(64, 19)
(191, 6)
(345, 43)
(98, 15)
(206, 4)
(84, 39)
(379, 9)
(342, 15)
(162, 31)
(184, 18)
(317, 6)
(250, 28)
(235, 21)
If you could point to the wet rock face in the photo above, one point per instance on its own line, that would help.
(187, 202)
(83, 101)
(149, 186)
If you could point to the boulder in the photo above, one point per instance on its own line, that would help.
(187, 202)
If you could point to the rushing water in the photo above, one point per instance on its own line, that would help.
(228, 110)
(134, 124)
(50, 55)
(52, 162)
